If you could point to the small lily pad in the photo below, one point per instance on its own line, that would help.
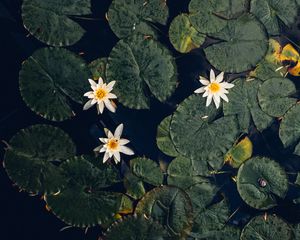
(261, 182)
(98, 68)
(270, 227)
(134, 186)
(31, 156)
(50, 79)
(266, 70)
(50, 22)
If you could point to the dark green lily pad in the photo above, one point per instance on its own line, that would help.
(183, 36)
(98, 68)
(163, 138)
(261, 182)
(271, 227)
(134, 186)
(274, 96)
(243, 44)
(50, 79)
(136, 227)
(266, 70)
(147, 170)
(136, 16)
(170, 206)
(244, 104)
(193, 128)
(272, 12)
(50, 22)
(31, 156)
(82, 202)
(141, 65)
(226, 233)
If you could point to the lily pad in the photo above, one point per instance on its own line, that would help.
(193, 128)
(136, 227)
(183, 36)
(271, 227)
(83, 202)
(274, 96)
(266, 70)
(272, 12)
(147, 170)
(136, 16)
(98, 68)
(50, 22)
(32, 156)
(134, 186)
(170, 206)
(243, 44)
(50, 79)
(163, 138)
(141, 66)
(244, 104)
(261, 182)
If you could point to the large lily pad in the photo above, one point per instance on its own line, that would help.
(82, 202)
(170, 206)
(261, 182)
(183, 36)
(194, 131)
(243, 44)
(32, 156)
(244, 104)
(272, 12)
(50, 22)
(274, 96)
(50, 79)
(136, 16)
(271, 227)
(141, 66)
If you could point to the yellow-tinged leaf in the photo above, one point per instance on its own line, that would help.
(289, 53)
(273, 55)
(295, 71)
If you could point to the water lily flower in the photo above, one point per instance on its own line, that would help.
(215, 89)
(113, 145)
(101, 95)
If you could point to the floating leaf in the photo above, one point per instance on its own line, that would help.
(261, 182)
(193, 128)
(266, 70)
(227, 232)
(243, 44)
(141, 65)
(270, 227)
(183, 36)
(274, 96)
(50, 22)
(82, 202)
(170, 206)
(134, 186)
(163, 138)
(136, 16)
(30, 158)
(244, 104)
(272, 12)
(98, 68)
(49, 79)
(147, 170)
(289, 53)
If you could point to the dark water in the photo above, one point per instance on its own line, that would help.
(23, 217)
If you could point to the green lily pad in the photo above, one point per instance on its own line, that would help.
(136, 16)
(271, 227)
(193, 128)
(141, 65)
(261, 182)
(244, 104)
(183, 36)
(30, 158)
(50, 22)
(163, 138)
(227, 232)
(98, 68)
(272, 12)
(83, 202)
(274, 96)
(147, 170)
(266, 70)
(49, 79)
(134, 186)
(170, 206)
(243, 44)
(136, 227)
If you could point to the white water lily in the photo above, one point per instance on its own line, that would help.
(113, 145)
(101, 95)
(215, 89)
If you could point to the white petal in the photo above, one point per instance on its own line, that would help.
(105, 157)
(92, 82)
(204, 81)
(108, 133)
(117, 157)
(208, 100)
(227, 85)
(200, 90)
(212, 76)
(118, 131)
(224, 97)
(110, 85)
(126, 150)
(205, 94)
(100, 107)
(111, 96)
(217, 100)
(88, 94)
(109, 105)
(104, 140)
(103, 149)
(97, 149)
(123, 141)
(220, 77)
(87, 105)
(93, 101)
(100, 81)
(110, 154)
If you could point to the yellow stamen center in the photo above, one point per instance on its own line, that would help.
(113, 144)
(214, 87)
(100, 93)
